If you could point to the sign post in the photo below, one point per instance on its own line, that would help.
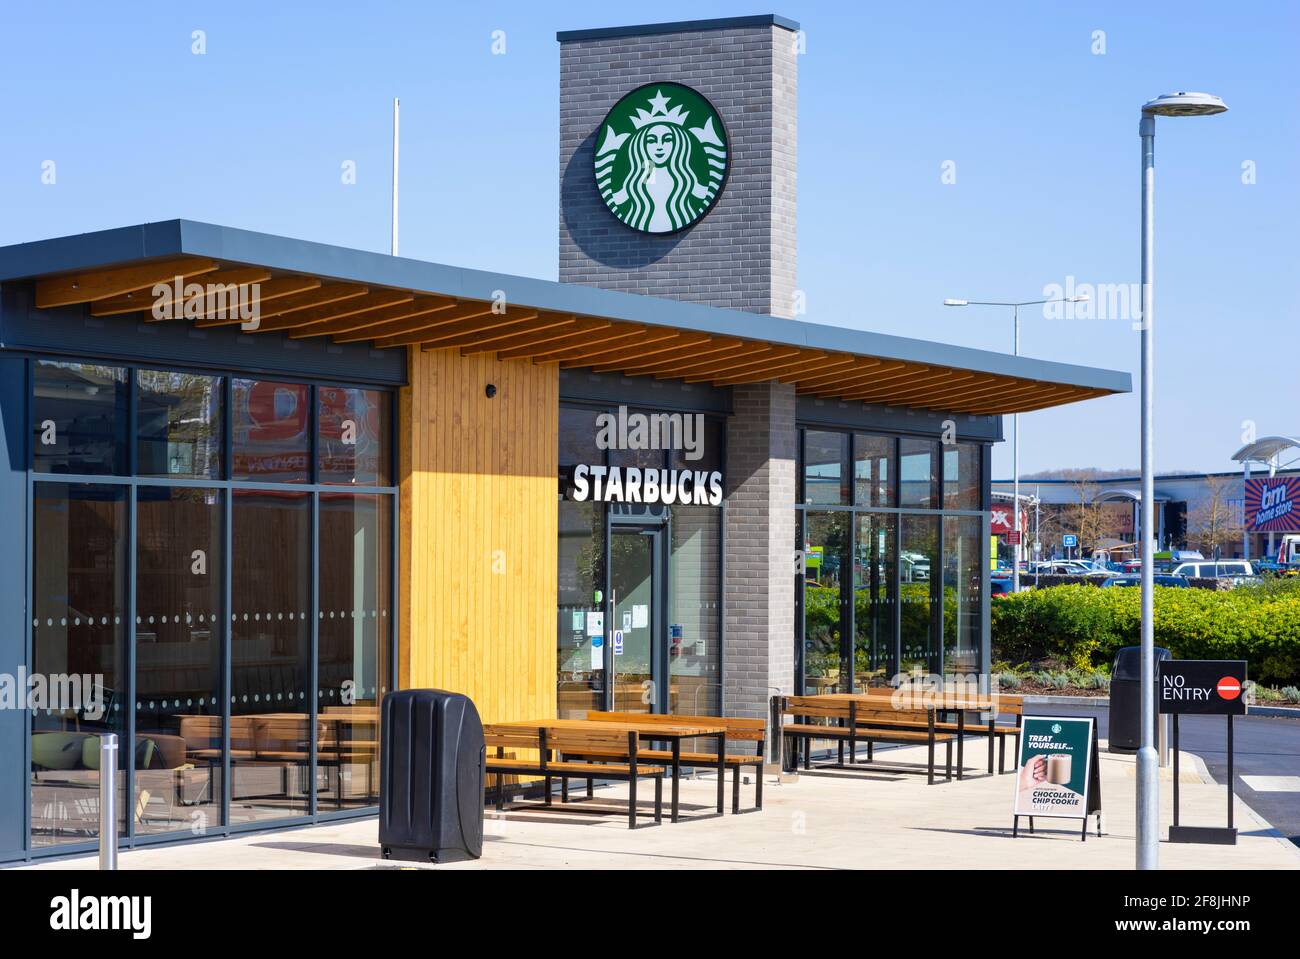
(1205, 687)
(1058, 774)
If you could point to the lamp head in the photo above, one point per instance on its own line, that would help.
(1185, 104)
(956, 302)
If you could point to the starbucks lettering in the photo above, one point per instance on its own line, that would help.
(614, 484)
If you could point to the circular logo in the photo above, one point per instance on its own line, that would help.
(1229, 687)
(661, 158)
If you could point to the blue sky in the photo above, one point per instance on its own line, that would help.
(1040, 130)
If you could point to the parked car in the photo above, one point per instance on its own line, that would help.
(1160, 579)
(1000, 586)
(1238, 570)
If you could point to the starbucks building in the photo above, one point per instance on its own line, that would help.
(253, 483)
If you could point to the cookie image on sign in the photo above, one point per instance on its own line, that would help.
(661, 158)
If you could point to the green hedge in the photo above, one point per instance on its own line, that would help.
(1084, 626)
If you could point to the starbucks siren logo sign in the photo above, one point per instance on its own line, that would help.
(661, 158)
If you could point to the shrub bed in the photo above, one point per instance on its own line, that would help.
(1084, 626)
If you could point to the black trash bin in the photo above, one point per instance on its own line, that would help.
(431, 777)
(1125, 732)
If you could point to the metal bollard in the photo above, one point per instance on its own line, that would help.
(108, 802)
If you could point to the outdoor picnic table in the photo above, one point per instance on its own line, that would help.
(652, 732)
(959, 703)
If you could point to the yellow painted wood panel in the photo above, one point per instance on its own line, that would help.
(479, 531)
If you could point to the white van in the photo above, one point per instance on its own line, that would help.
(1237, 570)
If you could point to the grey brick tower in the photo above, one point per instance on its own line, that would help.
(741, 256)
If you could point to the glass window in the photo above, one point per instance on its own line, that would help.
(179, 636)
(79, 572)
(961, 475)
(178, 424)
(353, 445)
(825, 473)
(695, 571)
(580, 668)
(918, 472)
(919, 606)
(873, 474)
(270, 431)
(353, 636)
(963, 589)
(825, 550)
(270, 728)
(79, 418)
(875, 562)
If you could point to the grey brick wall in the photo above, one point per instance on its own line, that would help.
(742, 254)
(759, 656)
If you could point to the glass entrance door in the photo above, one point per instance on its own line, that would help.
(638, 648)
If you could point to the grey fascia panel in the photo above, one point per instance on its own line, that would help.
(681, 26)
(176, 237)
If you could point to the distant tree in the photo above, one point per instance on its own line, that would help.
(1213, 524)
(1086, 518)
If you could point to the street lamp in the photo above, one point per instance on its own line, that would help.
(1148, 782)
(1015, 418)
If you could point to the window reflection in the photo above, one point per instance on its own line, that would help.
(178, 634)
(826, 548)
(79, 418)
(918, 561)
(352, 444)
(270, 728)
(963, 591)
(918, 472)
(79, 543)
(825, 476)
(873, 471)
(178, 424)
(961, 476)
(270, 426)
(875, 557)
(355, 592)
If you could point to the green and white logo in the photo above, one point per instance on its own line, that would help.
(661, 158)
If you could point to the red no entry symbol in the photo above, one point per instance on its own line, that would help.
(1229, 687)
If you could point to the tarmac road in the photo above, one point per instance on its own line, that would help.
(1264, 746)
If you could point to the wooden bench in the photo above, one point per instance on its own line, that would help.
(1005, 705)
(622, 747)
(744, 730)
(857, 722)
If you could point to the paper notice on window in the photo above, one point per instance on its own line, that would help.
(597, 652)
(640, 616)
(577, 620)
(627, 621)
(595, 624)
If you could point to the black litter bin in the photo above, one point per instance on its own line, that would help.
(1125, 732)
(431, 777)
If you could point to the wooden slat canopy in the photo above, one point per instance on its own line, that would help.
(302, 306)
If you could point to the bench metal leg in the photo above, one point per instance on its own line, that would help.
(841, 751)
(871, 749)
(961, 749)
(735, 792)
(564, 789)
(758, 788)
(1002, 754)
(930, 769)
(722, 773)
(548, 791)
(947, 766)
(591, 788)
(659, 799)
(992, 736)
(501, 792)
(807, 752)
(631, 801)
(677, 773)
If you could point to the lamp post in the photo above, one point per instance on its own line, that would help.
(1015, 419)
(1148, 782)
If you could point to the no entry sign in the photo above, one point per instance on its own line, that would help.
(1205, 686)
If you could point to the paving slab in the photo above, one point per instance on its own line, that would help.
(829, 819)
